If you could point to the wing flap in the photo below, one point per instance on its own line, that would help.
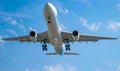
(90, 37)
(40, 38)
(84, 38)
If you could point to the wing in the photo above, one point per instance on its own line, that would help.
(40, 38)
(83, 38)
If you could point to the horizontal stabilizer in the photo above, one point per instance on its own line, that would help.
(66, 53)
(51, 54)
(71, 53)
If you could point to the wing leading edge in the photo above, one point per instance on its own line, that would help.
(40, 38)
(84, 38)
(43, 37)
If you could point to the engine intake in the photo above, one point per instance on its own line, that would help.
(75, 35)
(32, 33)
(33, 36)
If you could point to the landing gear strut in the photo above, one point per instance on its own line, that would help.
(44, 47)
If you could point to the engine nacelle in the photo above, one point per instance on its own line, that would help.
(75, 35)
(33, 36)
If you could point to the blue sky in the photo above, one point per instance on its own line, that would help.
(93, 17)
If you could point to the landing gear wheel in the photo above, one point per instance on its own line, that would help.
(67, 48)
(44, 47)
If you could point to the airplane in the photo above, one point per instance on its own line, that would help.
(59, 39)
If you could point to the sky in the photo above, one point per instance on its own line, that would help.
(94, 17)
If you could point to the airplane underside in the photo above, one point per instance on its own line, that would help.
(59, 39)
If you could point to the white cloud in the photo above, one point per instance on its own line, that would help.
(1, 41)
(53, 68)
(9, 20)
(118, 6)
(119, 68)
(11, 31)
(14, 59)
(29, 69)
(61, 8)
(11, 17)
(16, 14)
(22, 27)
(97, 69)
(3, 50)
(71, 68)
(86, 2)
(60, 68)
(114, 26)
(14, 22)
(31, 28)
(62, 27)
(92, 27)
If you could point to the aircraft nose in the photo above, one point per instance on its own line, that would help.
(47, 5)
(50, 8)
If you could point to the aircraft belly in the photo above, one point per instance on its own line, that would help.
(54, 34)
(55, 38)
(57, 43)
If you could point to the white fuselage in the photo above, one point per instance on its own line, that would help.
(54, 33)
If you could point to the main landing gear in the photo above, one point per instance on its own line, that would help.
(67, 47)
(44, 47)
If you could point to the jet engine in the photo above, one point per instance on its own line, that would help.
(33, 35)
(75, 35)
